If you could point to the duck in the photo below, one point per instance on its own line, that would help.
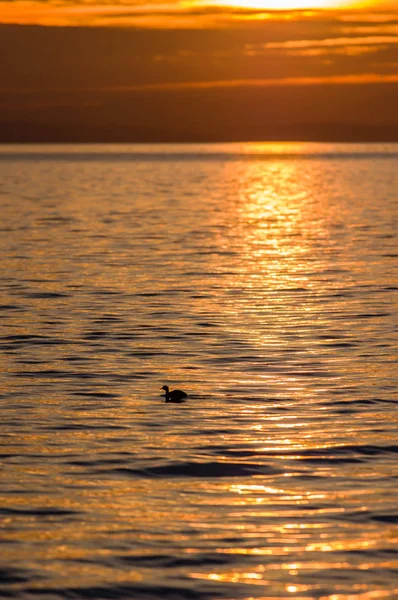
(176, 396)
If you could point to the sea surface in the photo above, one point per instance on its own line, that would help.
(261, 279)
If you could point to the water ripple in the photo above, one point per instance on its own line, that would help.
(262, 283)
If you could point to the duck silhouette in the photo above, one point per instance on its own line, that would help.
(176, 396)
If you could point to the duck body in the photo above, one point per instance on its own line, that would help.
(176, 396)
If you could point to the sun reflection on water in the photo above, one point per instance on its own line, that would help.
(279, 222)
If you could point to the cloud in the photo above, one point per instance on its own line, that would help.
(169, 13)
(353, 44)
(330, 42)
(312, 46)
(369, 78)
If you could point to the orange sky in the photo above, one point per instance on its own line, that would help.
(156, 70)
(166, 13)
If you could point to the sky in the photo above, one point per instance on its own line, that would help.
(198, 70)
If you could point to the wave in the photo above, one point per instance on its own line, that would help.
(38, 512)
(124, 592)
(194, 156)
(331, 454)
(200, 469)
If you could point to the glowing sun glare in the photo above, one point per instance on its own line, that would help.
(291, 4)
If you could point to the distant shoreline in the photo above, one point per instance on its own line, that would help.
(44, 133)
(94, 141)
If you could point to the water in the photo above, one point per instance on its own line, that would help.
(259, 278)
